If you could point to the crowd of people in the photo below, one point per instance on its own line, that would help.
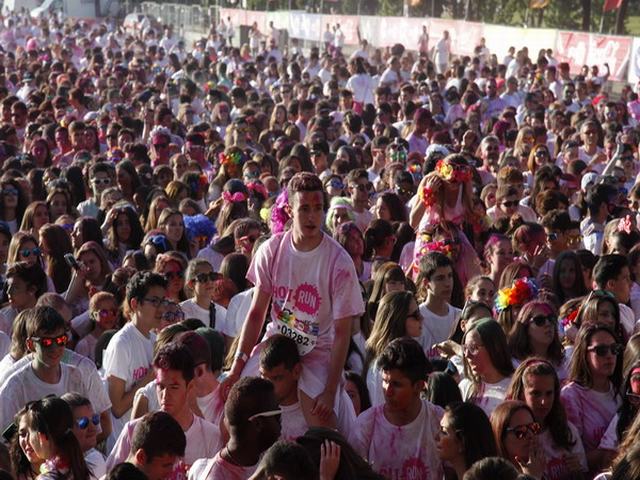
(269, 262)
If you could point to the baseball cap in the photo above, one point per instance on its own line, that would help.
(588, 179)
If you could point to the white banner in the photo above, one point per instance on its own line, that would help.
(634, 63)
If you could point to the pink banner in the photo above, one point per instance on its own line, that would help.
(572, 48)
(612, 50)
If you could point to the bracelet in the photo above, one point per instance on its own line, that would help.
(241, 356)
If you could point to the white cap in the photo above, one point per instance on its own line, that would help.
(588, 179)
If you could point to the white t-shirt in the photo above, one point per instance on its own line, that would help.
(436, 328)
(149, 392)
(401, 452)
(7, 315)
(87, 347)
(218, 468)
(192, 310)
(5, 343)
(309, 291)
(489, 395)
(556, 468)
(237, 312)
(294, 425)
(203, 441)
(96, 462)
(24, 386)
(128, 357)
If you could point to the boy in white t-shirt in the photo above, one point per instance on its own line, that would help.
(127, 359)
(438, 315)
(200, 279)
(313, 288)
(43, 373)
(398, 438)
(280, 364)
(175, 386)
(157, 443)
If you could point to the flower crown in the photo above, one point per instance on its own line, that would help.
(522, 291)
(259, 189)
(233, 158)
(451, 173)
(570, 319)
(237, 197)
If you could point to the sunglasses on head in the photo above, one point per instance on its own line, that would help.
(207, 277)
(270, 413)
(48, 342)
(521, 431)
(602, 350)
(26, 252)
(541, 320)
(83, 422)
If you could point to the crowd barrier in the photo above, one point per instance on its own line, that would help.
(576, 48)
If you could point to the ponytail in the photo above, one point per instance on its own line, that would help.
(69, 448)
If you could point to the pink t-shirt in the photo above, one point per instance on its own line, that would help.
(309, 291)
(218, 468)
(600, 409)
(401, 453)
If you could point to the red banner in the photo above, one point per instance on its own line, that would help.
(611, 5)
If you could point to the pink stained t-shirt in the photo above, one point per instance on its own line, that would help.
(309, 291)
(600, 408)
(405, 452)
(217, 468)
(556, 466)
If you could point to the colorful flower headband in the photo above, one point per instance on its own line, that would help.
(237, 197)
(570, 319)
(234, 158)
(398, 155)
(453, 173)
(522, 291)
(427, 197)
(625, 225)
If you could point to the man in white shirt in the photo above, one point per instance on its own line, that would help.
(175, 386)
(391, 76)
(512, 97)
(442, 53)
(127, 359)
(45, 374)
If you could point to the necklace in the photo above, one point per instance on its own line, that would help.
(233, 460)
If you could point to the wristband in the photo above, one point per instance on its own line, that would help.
(241, 356)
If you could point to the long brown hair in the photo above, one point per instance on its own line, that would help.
(556, 420)
(59, 244)
(519, 341)
(500, 419)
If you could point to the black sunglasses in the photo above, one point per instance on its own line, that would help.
(602, 350)
(540, 320)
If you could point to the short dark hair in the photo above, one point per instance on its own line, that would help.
(557, 220)
(406, 355)
(279, 350)
(490, 468)
(288, 460)
(175, 356)
(608, 267)
(246, 398)
(158, 433)
(597, 195)
(356, 174)
(304, 182)
(126, 471)
(139, 285)
(43, 320)
(32, 275)
(433, 261)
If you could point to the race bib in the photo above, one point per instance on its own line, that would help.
(304, 333)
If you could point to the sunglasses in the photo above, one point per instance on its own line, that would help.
(207, 277)
(270, 413)
(337, 184)
(48, 342)
(521, 431)
(602, 350)
(173, 275)
(101, 181)
(160, 145)
(83, 422)
(10, 191)
(509, 204)
(541, 320)
(26, 252)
